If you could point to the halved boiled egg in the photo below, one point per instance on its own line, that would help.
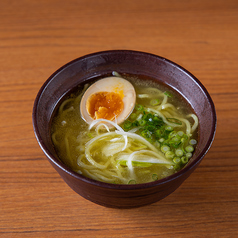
(111, 98)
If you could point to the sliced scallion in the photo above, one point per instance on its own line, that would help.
(165, 148)
(189, 155)
(132, 181)
(189, 148)
(146, 134)
(184, 160)
(155, 177)
(154, 102)
(169, 155)
(139, 107)
(180, 133)
(168, 94)
(127, 125)
(179, 152)
(133, 116)
(176, 160)
(142, 122)
(161, 140)
(169, 128)
(192, 142)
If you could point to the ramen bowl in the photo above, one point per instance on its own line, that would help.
(140, 64)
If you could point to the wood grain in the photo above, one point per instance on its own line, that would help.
(38, 37)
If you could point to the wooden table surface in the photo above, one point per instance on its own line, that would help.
(38, 37)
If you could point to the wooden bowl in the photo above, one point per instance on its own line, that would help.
(137, 63)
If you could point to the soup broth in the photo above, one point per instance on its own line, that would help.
(155, 141)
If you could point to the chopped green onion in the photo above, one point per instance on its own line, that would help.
(146, 134)
(155, 177)
(158, 133)
(139, 107)
(157, 144)
(172, 134)
(192, 142)
(161, 140)
(154, 102)
(157, 119)
(133, 116)
(174, 144)
(165, 148)
(175, 141)
(184, 160)
(127, 125)
(169, 128)
(189, 155)
(185, 137)
(179, 152)
(174, 120)
(135, 163)
(168, 94)
(176, 138)
(177, 167)
(132, 181)
(180, 133)
(189, 148)
(169, 155)
(90, 135)
(176, 160)
(141, 164)
(142, 122)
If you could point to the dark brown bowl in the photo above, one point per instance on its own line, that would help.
(136, 63)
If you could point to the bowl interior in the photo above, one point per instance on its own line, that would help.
(132, 62)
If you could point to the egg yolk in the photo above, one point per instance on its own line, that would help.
(106, 105)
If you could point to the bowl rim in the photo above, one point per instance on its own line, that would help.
(105, 185)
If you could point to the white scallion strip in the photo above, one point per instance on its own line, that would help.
(140, 138)
(129, 163)
(134, 130)
(112, 148)
(139, 117)
(143, 95)
(113, 124)
(143, 156)
(88, 147)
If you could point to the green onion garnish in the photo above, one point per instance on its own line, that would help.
(127, 125)
(142, 122)
(168, 94)
(176, 160)
(139, 107)
(184, 160)
(165, 148)
(132, 181)
(189, 148)
(192, 142)
(154, 177)
(179, 152)
(169, 155)
(154, 102)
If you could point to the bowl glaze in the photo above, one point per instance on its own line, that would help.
(137, 63)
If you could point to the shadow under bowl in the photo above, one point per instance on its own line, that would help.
(135, 63)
